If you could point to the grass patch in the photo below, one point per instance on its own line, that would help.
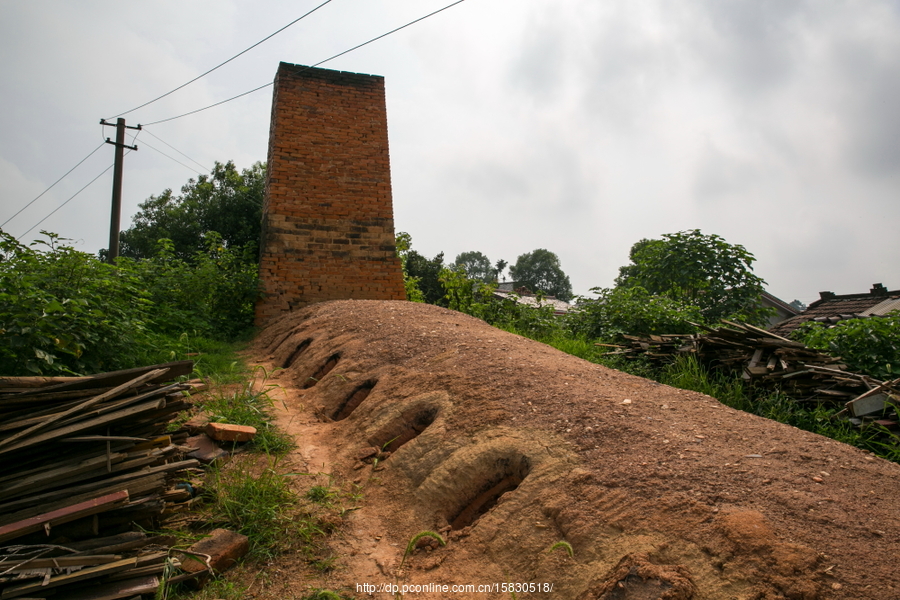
(255, 501)
(214, 360)
(687, 373)
(249, 405)
(320, 494)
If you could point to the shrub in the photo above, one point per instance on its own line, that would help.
(213, 295)
(64, 312)
(631, 311)
(867, 345)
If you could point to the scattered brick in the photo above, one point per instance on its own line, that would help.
(224, 548)
(226, 432)
(205, 449)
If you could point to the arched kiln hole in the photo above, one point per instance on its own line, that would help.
(301, 347)
(404, 429)
(277, 344)
(352, 401)
(505, 475)
(321, 372)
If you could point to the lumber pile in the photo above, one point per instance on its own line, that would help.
(81, 460)
(772, 362)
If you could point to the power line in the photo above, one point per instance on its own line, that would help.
(223, 63)
(72, 197)
(210, 106)
(321, 62)
(51, 187)
(192, 169)
(178, 151)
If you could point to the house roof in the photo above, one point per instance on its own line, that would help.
(779, 303)
(559, 307)
(832, 308)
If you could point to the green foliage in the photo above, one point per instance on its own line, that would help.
(701, 270)
(322, 594)
(540, 271)
(537, 322)
(226, 202)
(64, 312)
(320, 494)
(464, 294)
(404, 244)
(476, 266)
(213, 294)
(499, 267)
(687, 373)
(632, 311)
(427, 274)
(867, 345)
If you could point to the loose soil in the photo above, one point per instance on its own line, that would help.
(508, 446)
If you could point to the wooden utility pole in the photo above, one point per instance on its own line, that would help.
(113, 253)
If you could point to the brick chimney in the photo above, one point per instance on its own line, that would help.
(328, 224)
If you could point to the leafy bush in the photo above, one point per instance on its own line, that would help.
(631, 311)
(212, 295)
(64, 312)
(465, 295)
(869, 345)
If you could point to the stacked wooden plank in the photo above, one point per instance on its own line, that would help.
(770, 361)
(85, 458)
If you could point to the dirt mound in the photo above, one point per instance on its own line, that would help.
(509, 447)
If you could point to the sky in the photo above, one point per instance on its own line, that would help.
(578, 126)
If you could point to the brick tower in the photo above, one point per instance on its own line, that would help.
(328, 224)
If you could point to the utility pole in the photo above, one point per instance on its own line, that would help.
(113, 253)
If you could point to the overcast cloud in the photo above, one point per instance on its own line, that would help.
(573, 125)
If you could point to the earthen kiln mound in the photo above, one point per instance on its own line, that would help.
(511, 446)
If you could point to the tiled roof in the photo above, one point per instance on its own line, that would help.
(559, 307)
(831, 308)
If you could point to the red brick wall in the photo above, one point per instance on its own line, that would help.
(328, 224)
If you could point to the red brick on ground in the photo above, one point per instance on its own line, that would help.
(205, 449)
(224, 548)
(226, 432)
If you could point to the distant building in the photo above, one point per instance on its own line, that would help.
(511, 290)
(832, 308)
(783, 310)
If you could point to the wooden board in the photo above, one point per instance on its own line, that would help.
(62, 515)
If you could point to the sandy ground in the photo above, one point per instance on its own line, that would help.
(507, 447)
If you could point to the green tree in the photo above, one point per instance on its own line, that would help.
(476, 266)
(698, 269)
(427, 273)
(226, 201)
(541, 272)
(403, 242)
(499, 267)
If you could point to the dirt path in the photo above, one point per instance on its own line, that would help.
(508, 447)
